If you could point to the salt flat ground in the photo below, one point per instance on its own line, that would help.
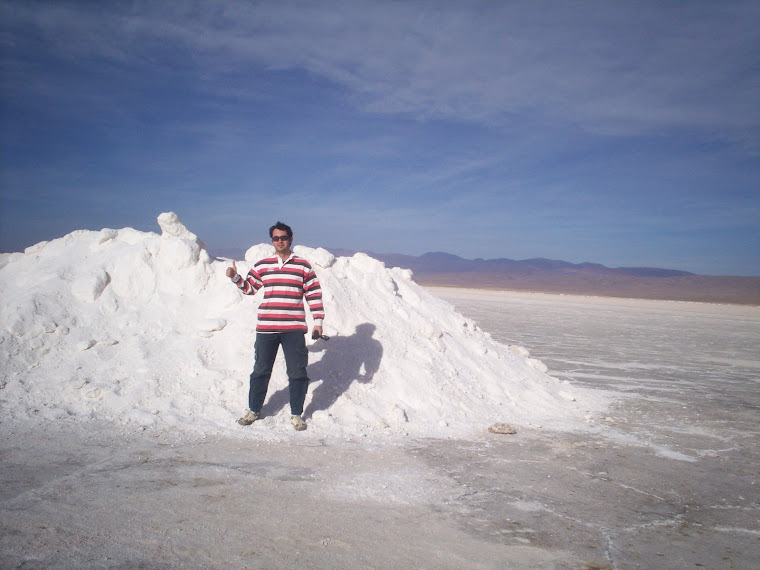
(668, 480)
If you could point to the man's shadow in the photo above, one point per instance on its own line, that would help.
(346, 360)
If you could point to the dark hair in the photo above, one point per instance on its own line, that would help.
(282, 227)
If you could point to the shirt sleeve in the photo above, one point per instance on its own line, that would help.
(251, 283)
(313, 294)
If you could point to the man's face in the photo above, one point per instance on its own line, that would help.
(280, 241)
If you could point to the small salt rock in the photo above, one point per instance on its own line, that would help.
(501, 428)
(86, 344)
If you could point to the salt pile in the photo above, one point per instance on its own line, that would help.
(144, 329)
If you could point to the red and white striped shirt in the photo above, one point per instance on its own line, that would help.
(285, 284)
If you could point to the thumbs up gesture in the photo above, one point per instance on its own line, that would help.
(232, 271)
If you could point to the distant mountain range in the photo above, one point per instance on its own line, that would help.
(434, 263)
(555, 276)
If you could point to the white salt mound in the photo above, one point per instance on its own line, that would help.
(145, 329)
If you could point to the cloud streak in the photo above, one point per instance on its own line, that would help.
(612, 68)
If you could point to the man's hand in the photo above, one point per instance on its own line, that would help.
(316, 332)
(232, 271)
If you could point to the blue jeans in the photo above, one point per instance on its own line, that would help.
(296, 359)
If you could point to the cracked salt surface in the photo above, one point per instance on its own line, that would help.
(690, 400)
(410, 486)
(673, 342)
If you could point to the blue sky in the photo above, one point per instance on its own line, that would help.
(622, 133)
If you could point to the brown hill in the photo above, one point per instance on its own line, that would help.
(697, 288)
(554, 276)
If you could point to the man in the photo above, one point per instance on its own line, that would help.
(287, 280)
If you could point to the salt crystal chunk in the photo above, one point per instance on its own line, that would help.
(519, 350)
(88, 287)
(502, 428)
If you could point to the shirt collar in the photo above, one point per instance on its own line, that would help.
(281, 261)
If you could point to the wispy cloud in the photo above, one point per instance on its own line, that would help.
(616, 68)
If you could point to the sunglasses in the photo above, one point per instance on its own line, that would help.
(280, 238)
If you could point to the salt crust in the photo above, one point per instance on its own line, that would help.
(142, 329)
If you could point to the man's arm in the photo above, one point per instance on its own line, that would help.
(250, 285)
(313, 294)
